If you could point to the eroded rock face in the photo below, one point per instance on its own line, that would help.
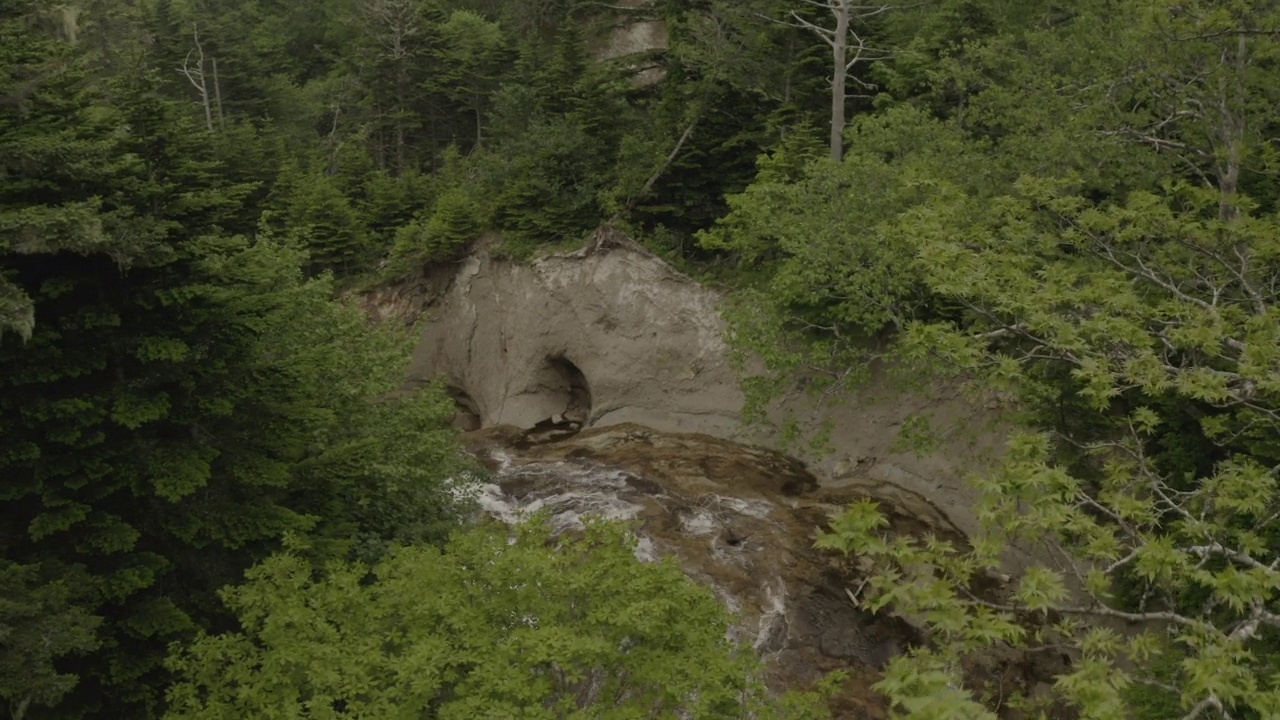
(612, 337)
(600, 384)
(618, 336)
(637, 31)
(739, 519)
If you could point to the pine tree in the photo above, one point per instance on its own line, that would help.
(176, 398)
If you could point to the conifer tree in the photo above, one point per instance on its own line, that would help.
(174, 398)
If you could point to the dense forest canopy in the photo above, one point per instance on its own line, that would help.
(1071, 206)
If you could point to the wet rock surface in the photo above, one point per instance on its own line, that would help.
(740, 519)
(615, 335)
(599, 382)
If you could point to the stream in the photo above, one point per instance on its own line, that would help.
(739, 519)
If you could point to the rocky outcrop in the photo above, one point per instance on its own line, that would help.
(613, 336)
(599, 382)
(739, 519)
(634, 35)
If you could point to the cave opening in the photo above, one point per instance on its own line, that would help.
(569, 389)
(467, 416)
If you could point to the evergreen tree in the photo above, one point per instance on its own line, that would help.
(176, 398)
(320, 216)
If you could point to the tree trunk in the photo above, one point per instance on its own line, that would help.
(332, 142)
(402, 82)
(400, 142)
(1231, 108)
(380, 137)
(20, 710)
(197, 77)
(217, 94)
(204, 100)
(840, 72)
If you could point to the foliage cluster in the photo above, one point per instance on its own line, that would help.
(488, 626)
(1075, 212)
(185, 187)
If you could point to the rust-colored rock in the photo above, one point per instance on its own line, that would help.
(740, 519)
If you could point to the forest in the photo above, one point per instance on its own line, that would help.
(216, 501)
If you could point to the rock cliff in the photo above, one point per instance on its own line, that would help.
(614, 336)
(740, 520)
(599, 382)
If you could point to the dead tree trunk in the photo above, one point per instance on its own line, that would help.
(398, 28)
(839, 59)
(197, 78)
(217, 94)
(844, 54)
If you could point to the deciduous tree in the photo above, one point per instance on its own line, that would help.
(1137, 332)
(487, 627)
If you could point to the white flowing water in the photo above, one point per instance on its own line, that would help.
(711, 539)
(740, 520)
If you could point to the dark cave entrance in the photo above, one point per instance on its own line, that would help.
(568, 389)
(467, 417)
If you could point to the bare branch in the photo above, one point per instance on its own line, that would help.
(1098, 609)
(1243, 32)
(671, 156)
(196, 76)
(1133, 554)
(1234, 555)
(828, 36)
(1200, 708)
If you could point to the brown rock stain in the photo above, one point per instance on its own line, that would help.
(740, 519)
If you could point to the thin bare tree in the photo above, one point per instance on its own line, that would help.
(848, 48)
(195, 75)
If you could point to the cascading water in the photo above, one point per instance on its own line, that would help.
(611, 334)
(739, 519)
